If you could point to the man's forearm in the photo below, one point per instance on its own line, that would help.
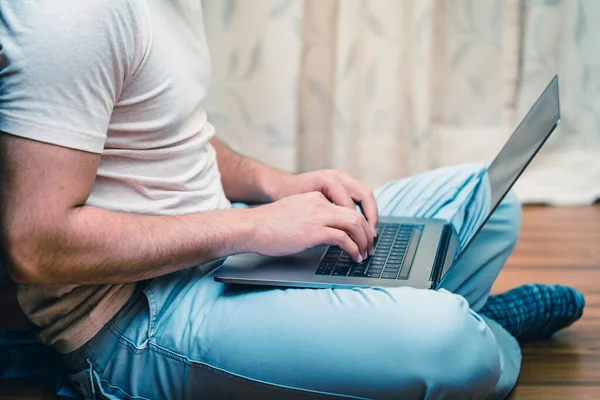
(245, 179)
(97, 246)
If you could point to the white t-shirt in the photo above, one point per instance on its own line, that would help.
(124, 79)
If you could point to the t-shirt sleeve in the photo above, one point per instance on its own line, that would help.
(63, 65)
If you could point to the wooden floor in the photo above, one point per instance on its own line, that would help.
(560, 245)
(557, 245)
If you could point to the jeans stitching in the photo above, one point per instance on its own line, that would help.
(152, 311)
(123, 339)
(154, 347)
(121, 390)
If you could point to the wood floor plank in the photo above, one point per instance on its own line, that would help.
(560, 246)
(584, 279)
(542, 392)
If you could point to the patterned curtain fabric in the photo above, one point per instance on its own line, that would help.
(387, 88)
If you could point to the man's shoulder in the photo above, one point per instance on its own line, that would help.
(63, 64)
(44, 20)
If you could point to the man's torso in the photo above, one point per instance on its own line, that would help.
(156, 160)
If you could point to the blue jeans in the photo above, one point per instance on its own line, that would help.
(186, 336)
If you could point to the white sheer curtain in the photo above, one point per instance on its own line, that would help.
(387, 88)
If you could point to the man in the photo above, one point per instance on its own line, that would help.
(116, 202)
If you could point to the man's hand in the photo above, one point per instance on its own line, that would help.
(336, 185)
(303, 221)
(302, 215)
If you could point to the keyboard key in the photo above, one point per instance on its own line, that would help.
(327, 264)
(339, 273)
(343, 266)
(373, 274)
(387, 275)
(340, 270)
(324, 270)
(394, 264)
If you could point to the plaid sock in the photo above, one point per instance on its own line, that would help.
(535, 311)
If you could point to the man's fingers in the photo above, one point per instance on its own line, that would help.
(336, 237)
(338, 194)
(369, 207)
(363, 195)
(352, 222)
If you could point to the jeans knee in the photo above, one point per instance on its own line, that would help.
(466, 358)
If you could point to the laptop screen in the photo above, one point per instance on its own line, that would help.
(520, 149)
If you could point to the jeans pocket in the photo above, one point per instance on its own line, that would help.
(136, 321)
(88, 384)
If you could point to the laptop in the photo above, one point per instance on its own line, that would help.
(413, 252)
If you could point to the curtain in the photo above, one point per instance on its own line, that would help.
(388, 88)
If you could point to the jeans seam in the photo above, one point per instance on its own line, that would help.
(121, 390)
(152, 311)
(154, 347)
(122, 339)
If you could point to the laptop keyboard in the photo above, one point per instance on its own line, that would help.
(388, 262)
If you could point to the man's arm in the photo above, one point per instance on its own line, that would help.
(49, 235)
(252, 182)
(245, 179)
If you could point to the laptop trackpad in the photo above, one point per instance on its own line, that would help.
(250, 261)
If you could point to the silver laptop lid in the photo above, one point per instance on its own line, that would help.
(520, 149)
